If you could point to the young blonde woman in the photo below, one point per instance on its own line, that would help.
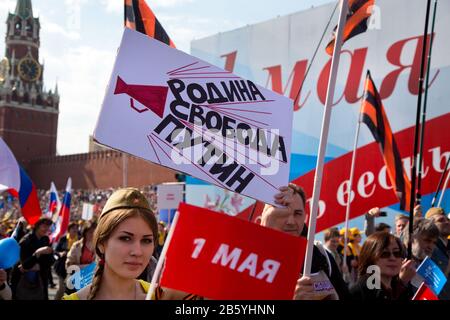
(124, 241)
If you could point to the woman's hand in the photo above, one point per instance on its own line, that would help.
(407, 271)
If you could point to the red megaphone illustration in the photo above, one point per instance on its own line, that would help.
(151, 97)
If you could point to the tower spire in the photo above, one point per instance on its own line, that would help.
(24, 9)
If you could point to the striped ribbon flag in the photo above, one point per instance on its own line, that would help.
(374, 116)
(359, 12)
(138, 16)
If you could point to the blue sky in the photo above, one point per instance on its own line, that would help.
(79, 39)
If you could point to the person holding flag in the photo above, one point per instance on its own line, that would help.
(29, 280)
(441, 254)
(424, 238)
(291, 220)
(384, 273)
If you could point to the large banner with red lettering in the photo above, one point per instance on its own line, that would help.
(226, 258)
(277, 53)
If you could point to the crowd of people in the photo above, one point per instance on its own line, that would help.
(125, 240)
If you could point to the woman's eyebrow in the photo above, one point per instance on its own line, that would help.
(148, 235)
(129, 233)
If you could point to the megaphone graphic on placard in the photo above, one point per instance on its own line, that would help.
(151, 97)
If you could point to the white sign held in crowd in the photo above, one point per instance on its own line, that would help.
(175, 110)
(88, 211)
(169, 195)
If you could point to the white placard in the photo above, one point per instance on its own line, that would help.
(175, 110)
(169, 195)
(88, 211)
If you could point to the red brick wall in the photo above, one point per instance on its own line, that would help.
(102, 169)
(29, 134)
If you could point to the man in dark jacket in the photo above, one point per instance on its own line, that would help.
(291, 220)
(35, 260)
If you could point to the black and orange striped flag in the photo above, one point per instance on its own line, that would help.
(359, 12)
(373, 115)
(139, 17)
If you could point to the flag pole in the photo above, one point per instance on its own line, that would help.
(162, 257)
(444, 187)
(440, 182)
(416, 131)
(250, 219)
(324, 136)
(350, 186)
(424, 113)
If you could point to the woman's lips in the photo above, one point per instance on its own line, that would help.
(133, 265)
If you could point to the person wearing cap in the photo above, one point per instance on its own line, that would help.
(124, 241)
(351, 253)
(442, 251)
(290, 219)
(341, 244)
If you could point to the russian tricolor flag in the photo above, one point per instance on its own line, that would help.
(62, 222)
(15, 180)
(54, 203)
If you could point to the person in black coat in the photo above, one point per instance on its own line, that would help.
(291, 220)
(35, 259)
(384, 274)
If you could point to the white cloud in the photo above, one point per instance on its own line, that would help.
(112, 6)
(116, 6)
(170, 3)
(83, 74)
(7, 5)
(65, 31)
(183, 29)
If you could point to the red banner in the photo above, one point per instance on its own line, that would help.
(371, 186)
(227, 258)
(424, 293)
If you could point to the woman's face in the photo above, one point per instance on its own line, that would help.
(129, 248)
(390, 260)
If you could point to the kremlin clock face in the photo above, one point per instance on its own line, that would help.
(29, 69)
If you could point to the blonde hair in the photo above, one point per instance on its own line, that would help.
(105, 227)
